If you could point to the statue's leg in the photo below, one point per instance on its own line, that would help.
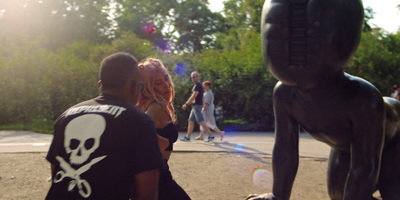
(389, 177)
(338, 168)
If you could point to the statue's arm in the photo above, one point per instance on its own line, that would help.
(366, 150)
(285, 158)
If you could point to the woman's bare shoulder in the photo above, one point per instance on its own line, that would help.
(155, 105)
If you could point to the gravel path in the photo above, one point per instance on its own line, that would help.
(204, 176)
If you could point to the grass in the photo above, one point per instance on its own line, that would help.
(234, 121)
(38, 125)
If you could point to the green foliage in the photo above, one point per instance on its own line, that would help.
(38, 125)
(127, 42)
(240, 82)
(368, 15)
(244, 13)
(378, 60)
(196, 25)
(51, 51)
(178, 25)
(36, 81)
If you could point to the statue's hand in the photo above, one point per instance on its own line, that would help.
(266, 196)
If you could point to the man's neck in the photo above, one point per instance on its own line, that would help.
(112, 93)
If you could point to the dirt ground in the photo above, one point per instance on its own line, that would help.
(204, 176)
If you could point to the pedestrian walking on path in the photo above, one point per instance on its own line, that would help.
(196, 99)
(208, 111)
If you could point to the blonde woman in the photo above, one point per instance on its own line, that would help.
(156, 100)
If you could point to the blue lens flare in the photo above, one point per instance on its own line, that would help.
(231, 129)
(180, 69)
(239, 148)
(163, 47)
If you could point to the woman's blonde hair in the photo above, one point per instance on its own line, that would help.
(148, 70)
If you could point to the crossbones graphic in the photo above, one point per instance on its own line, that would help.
(83, 186)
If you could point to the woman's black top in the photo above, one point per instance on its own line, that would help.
(170, 132)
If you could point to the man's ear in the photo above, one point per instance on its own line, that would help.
(132, 89)
(99, 85)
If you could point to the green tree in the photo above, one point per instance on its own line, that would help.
(378, 60)
(240, 83)
(241, 16)
(36, 81)
(196, 25)
(243, 13)
(170, 24)
(368, 15)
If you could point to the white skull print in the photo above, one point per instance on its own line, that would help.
(82, 137)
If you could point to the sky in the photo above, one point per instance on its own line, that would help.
(387, 15)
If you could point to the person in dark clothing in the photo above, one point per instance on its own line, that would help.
(157, 101)
(105, 147)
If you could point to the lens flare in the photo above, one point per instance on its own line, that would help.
(239, 148)
(163, 47)
(262, 178)
(180, 69)
(148, 27)
(231, 129)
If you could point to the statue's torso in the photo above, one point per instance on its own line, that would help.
(331, 115)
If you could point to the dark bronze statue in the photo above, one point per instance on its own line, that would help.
(306, 45)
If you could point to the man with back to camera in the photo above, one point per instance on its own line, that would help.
(106, 148)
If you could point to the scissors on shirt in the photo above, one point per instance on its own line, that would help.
(83, 186)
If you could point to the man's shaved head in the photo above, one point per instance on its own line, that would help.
(116, 69)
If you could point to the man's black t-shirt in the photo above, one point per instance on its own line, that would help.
(98, 147)
(199, 98)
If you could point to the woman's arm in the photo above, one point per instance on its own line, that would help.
(205, 106)
(155, 111)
